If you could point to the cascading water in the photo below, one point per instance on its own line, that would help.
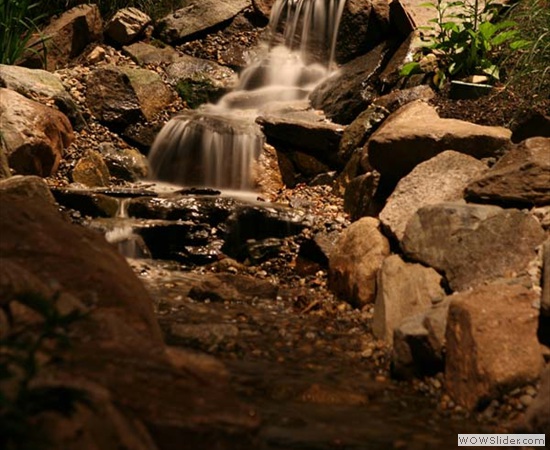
(217, 145)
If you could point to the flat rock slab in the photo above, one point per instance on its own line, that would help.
(440, 179)
(492, 343)
(196, 16)
(521, 176)
(472, 244)
(416, 133)
(307, 131)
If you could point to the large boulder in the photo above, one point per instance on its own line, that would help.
(364, 25)
(416, 133)
(355, 260)
(521, 176)
(440, 179)
(196, 16)
(403, 290)
(472, 244)
(126, 25)
(28, 186)
(65, 38)
(492, 344)
(118, 96)
(42, 86)
(34, 136)
(162, 398)
(348, 92)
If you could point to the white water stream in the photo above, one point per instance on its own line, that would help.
(218, 144)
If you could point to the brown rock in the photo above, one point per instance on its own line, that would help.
(360, 196)
(34, 136)
(416, 133)
(492, 344)
(27, 186)
(403, 290)
(263, 7)
(400, 97)
(355, 261)
(521, 176)
(472, 244)
(91, 171)
(440, 179)
(268, 174)
(144, 54)
(224, 287)
(118, 344)
(306, 131)
(119, 96)
(66, 37)
(364, 25)
(126, 25)
(545, 300)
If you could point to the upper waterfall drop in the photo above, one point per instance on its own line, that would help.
(217, 145)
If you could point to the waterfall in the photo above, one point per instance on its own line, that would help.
(217, 145)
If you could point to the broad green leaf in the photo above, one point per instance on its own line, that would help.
(409, 69)
(522, 43)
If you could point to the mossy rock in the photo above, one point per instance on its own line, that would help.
(197, 91)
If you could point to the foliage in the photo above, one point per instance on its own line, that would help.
(18, 23)
(24, 351)
(468, 42)
(530, 67)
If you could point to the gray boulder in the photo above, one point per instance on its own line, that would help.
(403, 290)
(197, 15)
(521, 176)
(472, 244)
(42, 86)
(440, 179)
(419, 343)
(348, 92)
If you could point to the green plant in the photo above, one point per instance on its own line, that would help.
(468, 39)
(24, 351)
(18, 23)
(530, 67)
